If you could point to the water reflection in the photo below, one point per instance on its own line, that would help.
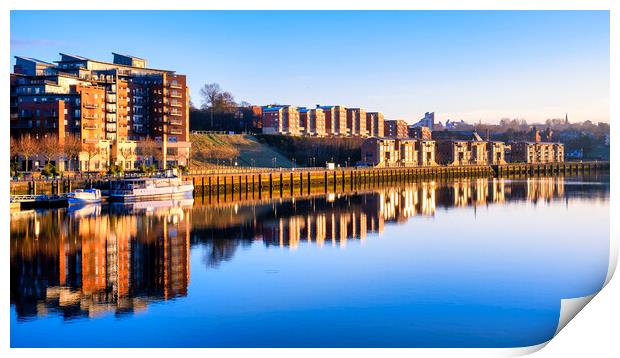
(87, 261)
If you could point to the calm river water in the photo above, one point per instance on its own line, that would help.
(469, 263)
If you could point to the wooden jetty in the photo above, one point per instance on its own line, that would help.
(30, 201)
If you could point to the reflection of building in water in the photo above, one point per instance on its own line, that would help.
(544, 188)
(398, 204)
(93, 261)
(85, 266)
(497, 190)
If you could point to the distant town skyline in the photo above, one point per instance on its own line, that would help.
(469, 65)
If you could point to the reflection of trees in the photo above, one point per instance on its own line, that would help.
(219, 250)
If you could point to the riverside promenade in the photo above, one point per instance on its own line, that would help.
(273, 182)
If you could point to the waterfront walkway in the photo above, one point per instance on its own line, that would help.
(267, 181)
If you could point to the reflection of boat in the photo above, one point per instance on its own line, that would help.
(154, 205)
(135, 189)
(81, 211)
(84, 196)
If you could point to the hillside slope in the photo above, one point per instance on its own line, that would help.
(210, 149)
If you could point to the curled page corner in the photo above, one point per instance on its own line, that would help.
(613, 258)
(523, 351)
(569, 307)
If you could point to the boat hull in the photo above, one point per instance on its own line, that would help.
(82, 201)
(174, 192)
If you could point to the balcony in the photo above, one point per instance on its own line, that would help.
(89, 116)
(14, 116)
(90, 126)
(175, 122)
(175, 104)
(90, 140)
(175, 95)
(91, 105)
(175, 85)
(175, 131)
(171, 113)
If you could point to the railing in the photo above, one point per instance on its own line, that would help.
(24, 198)
(91, 105)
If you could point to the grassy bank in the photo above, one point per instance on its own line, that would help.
(211, 150)
(315, 151)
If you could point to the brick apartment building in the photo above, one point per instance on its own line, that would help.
(375, 124)
(281, 120)
(396, 129)
(335, 120)
(539, 149)
(397, 152)
(356, 122)
(112, 106)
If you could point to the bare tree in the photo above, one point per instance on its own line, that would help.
(72, 147)
(209, 93)
(150, 148)
(225, 102)
(27, 147)
(14, 148)
(92, 150)
(50, 148)
(125, 153)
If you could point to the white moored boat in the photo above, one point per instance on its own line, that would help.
(151, 188)
(84, 196)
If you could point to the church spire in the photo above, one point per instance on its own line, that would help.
(566, 119)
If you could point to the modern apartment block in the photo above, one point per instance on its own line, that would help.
(335, 120)
(379, 152)
(420, 132)
(496, 152)
(375, 124)
(398, 152)
(453, 152)
(312, 122)
(396, 129)
(317, 122)
(281, 120)
(536, 150)
(541, 152)
(111, 105)
(356, 122)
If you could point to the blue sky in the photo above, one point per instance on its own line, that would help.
(471, 65)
